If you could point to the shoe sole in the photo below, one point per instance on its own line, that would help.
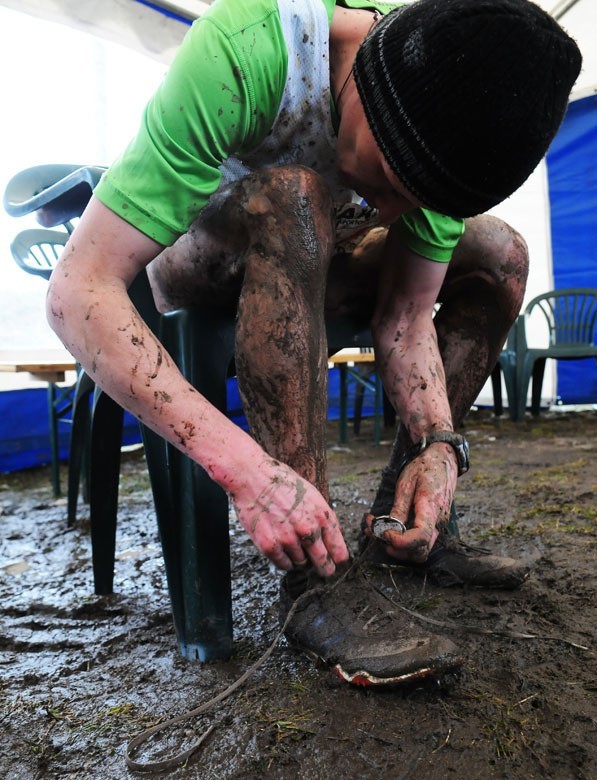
(364, 679)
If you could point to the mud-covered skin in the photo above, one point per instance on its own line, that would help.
(264, 245)
(280, 238)
(480, 300)
(288, 519)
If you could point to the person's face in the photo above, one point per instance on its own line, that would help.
(363, 167)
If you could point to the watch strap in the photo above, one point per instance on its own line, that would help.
(458, 443)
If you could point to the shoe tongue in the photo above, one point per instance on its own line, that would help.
(297, 581)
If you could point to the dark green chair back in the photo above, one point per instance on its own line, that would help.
(36, 251)
(570, 318)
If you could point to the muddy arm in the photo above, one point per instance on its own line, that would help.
(413, 376)
(90, 310)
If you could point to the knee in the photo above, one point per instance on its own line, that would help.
(288, 213)
(289, 184)
(497, 252)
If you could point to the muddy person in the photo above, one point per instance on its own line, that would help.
(305, 160)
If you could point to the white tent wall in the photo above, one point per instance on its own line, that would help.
(579, 19)
(139, 24)
(156, 29)
(528, 212)
(130, 23)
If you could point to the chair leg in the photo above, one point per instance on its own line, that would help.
(496, 384)
(192, 511)
(509, 372)
(359, 396)
(54, 449)
(538, 373)
(524, 372)
(106, 440)
(79, 443)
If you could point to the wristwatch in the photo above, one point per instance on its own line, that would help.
(458, 443)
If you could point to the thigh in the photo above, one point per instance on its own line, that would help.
(278, 218)
(492, 256)
(206, 265)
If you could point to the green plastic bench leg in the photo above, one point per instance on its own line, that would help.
(343, 403)
(378, 409)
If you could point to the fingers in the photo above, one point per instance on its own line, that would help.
(313, 551)
(285, 560)
(414, 545)
(291, 523)
(324, 547)
(422, 501)
(334, 541)
(320, 558)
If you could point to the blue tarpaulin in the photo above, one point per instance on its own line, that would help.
(24, 429)
(572, 176)
(25, 432)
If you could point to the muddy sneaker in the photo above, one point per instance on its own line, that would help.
(452, 562)
(348, 625)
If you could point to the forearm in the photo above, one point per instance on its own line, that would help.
(89, 308)
(421, 490)
(101, 328)
(412, 372)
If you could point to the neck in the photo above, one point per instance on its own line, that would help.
(349, 28)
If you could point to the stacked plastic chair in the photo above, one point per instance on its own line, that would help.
(55, 193)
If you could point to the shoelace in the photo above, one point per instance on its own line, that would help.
(180, 757)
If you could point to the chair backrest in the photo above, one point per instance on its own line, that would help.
(570, 314)
(37, 251)
(56, 193)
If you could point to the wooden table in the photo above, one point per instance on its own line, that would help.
(47, 365)
(347, 361)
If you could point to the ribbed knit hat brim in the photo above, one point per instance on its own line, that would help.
(464, 96)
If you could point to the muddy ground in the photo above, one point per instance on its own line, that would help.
(80, 675)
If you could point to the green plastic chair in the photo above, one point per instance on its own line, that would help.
(53, 192)
(36, 251)
(56, 193)
(192, 511)
(570, 316)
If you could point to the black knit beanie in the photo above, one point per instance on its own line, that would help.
(464, 96)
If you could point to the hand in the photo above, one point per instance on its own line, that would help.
(288, 519)
(424, 494)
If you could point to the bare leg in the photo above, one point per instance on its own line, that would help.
(264, 244)
(281, 344)
(481, 298)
